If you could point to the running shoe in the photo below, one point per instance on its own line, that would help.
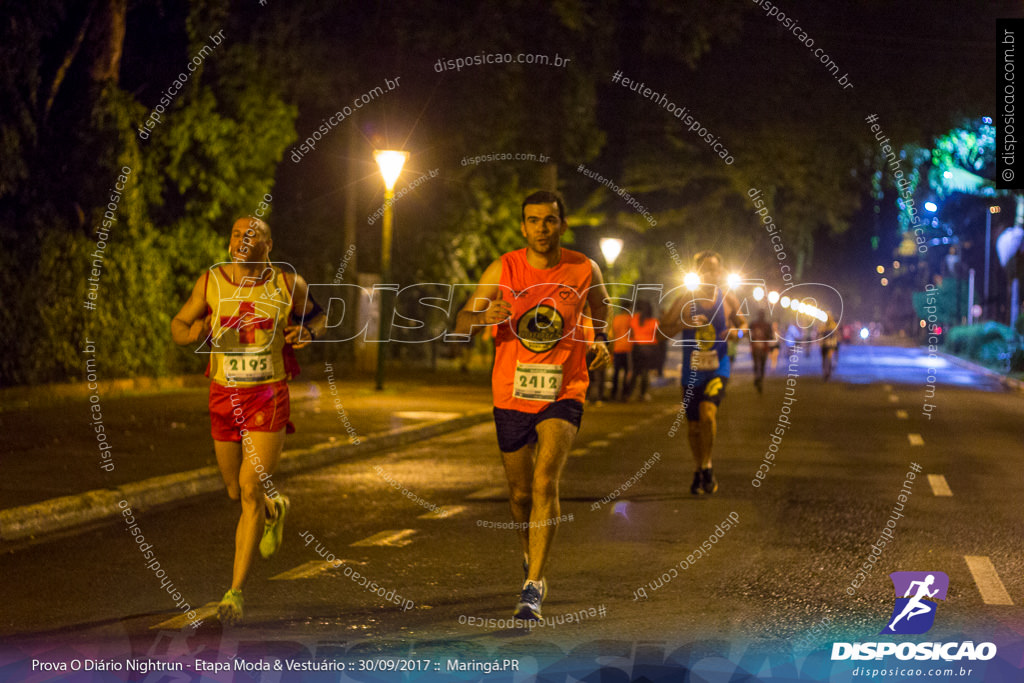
(530, 599)
(695, 486)
(273, 530)
(708, 481)
(229, 611)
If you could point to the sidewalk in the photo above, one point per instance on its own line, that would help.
(51, 477)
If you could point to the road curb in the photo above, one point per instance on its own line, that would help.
(1008, 382)
(27, 522)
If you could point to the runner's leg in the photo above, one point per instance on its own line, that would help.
(519, 473)
(554, 440)
(260, 450)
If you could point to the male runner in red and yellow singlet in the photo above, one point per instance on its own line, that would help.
(242, 310)
(536, 297)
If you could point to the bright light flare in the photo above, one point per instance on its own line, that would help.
(864, 333)
(691, 281)
(611, 247)
(758, 293)
(390, 162)
(773, 297)
(733, 280)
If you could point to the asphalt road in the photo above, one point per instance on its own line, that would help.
(779, 579)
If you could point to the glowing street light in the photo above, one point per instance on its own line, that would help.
(784, 301)
(611, 247)
(733, 280)
(390, 163)
(930, 207)
(773, 297)
(758, 293)
(691, 281)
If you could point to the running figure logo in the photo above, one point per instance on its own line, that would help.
(914, 612)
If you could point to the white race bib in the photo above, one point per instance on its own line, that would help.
(248, 367)
(704, 361)
(537, 381)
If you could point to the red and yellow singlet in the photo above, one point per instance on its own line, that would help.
(247, 327)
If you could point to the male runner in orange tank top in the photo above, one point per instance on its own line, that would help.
(252, 314)
(535, 297)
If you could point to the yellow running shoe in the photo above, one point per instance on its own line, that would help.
(229, 611)
(273, 531)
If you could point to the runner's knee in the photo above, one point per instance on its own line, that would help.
(520, 497)
(545, 487)
(252, 494)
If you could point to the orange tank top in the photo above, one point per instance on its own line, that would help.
(540, 353)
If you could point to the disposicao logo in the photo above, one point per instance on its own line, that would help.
(914, 613)
(916, 595)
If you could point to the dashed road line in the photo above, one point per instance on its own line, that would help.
(308, 570)
(615, 435)
(207, 611)
(893, 398)
(395, 538)
(598, 444)
(992, 590)
(444, 513)
(577, 452)
(939, 485)
(489, 493)
(901, 414)
(915, 439)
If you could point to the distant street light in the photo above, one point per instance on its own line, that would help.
(390, 163)
(930, 207)
(611, 247)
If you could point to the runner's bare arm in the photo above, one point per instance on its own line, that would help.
(301, 335)
(671, 321)
(737, 321)
(192, 323)
(485, 307)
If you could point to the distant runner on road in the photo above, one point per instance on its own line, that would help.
(535, 296)
(705, 317)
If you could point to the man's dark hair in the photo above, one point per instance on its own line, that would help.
(703, 256)
(544, 197)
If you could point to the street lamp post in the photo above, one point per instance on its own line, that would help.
(390, 163)
(988, 253)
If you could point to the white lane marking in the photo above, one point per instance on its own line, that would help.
(425, 415)
(486, 494)
(615, 435)
(915, 439)
(893, 398)
(577, 452)
(207, 611)
(308, 570)
(939, 485)
(901, 414)
(444, 513)
(395, 538)
(992, 590)
(598, 444)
